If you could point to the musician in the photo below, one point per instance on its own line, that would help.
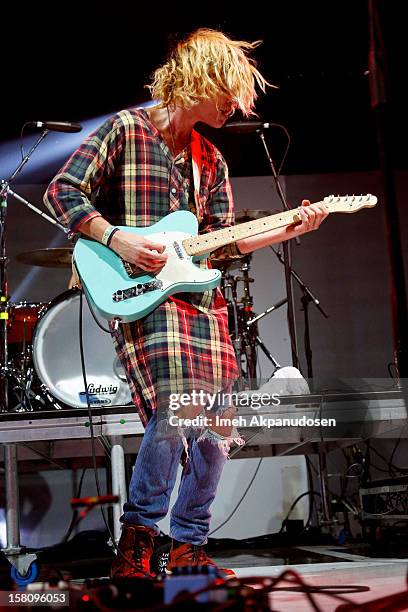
(139, 166)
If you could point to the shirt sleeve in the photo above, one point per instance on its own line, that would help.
(68, 196)
(220, 211)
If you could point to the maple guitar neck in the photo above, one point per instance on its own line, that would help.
(206, 243)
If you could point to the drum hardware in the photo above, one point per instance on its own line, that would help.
(248, 214)
(26, 392)
(5, 191)
(243, 324)
(47, 394)
(307, 298)
(247, 334)
(258, 339)
(24, 389)
(229, 290)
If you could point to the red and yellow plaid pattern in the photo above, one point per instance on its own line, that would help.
(125, 172)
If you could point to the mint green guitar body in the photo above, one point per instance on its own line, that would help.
(114, 294)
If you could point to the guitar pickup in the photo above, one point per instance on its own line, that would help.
(125, 294)
(178, 249)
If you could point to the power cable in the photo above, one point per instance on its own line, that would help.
(92, 436)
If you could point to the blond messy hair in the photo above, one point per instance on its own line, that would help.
(205, 64)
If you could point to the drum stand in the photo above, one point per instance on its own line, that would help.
(258, 339)
(229, 290)
(243, 325)
(248, 334)
(307, 298)
(23, 566)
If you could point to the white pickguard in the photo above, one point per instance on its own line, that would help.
(179, 270)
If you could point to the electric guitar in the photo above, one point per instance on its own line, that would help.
(118, 291)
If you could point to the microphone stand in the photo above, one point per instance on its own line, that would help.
(307, 298)
(258, 339)
(287, 258)
(22, 562)
(4, 297)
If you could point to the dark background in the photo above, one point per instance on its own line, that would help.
(85, 60)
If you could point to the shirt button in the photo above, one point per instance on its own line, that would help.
(173, 190)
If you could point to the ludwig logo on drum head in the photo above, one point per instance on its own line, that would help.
(97, 393)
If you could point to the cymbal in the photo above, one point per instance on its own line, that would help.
(230, 262)
(247, 214)
(47, 258)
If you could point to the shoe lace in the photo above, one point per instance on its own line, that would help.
(199, 555)
(139, 552)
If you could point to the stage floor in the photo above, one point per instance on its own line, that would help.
(336, 567)
(383, 579)
(317, 566)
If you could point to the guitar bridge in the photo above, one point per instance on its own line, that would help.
(125, 294)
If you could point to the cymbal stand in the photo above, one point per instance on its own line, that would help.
(24, 378)
(14, 552)
(307, 298)
(229, 287)
(4, 297)
(258, 339)
(249, 336)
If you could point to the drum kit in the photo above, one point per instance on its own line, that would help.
(44, 369)
(44, 366)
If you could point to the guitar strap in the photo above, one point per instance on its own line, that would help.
(196, 165)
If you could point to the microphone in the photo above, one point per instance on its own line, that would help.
(246, 127)
(58, 126)
(76, 502)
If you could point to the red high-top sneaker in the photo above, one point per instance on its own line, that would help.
(182, 554)
(136, 547)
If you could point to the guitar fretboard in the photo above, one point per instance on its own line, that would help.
(214, 240)
(206, 243)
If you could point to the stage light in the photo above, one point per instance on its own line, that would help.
(51, 154)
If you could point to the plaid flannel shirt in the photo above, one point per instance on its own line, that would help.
(125, 172)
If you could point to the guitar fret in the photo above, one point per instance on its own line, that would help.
(199, 245)
(213, 240)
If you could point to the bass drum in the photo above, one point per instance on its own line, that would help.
(57, 358)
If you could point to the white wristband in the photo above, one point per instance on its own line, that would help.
(106, 234)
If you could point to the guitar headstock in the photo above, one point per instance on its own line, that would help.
(350, 204)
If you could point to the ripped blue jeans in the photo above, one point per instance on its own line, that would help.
(154, 476)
